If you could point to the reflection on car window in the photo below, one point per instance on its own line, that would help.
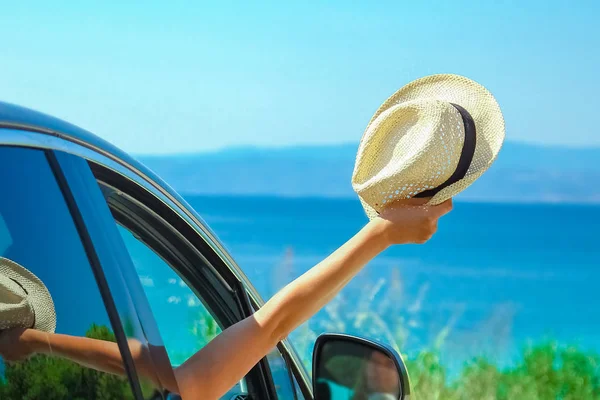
(185, 324)
(37, 233)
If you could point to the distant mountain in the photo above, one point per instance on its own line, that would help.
(522, 173)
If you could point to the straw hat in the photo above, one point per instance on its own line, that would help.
(24, 300)
(432, 138)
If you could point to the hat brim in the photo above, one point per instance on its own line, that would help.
(478, 101)
(38, 295)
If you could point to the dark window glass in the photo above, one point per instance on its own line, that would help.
(37, 232)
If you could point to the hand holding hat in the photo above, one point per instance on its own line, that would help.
(431, 139)
(411, 221)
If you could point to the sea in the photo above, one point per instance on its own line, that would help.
(493, 281)
(495, 278)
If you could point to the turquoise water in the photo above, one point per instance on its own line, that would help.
(495, 276)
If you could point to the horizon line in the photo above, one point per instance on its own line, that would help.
(249, 147)
(537, 202)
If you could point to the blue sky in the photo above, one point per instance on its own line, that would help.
(163, 77)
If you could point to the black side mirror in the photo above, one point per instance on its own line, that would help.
(351, 368)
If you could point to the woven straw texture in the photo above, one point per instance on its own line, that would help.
(24, 300)
(414, 141)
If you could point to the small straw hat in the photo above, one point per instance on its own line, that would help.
(24, 300)
(432, 138)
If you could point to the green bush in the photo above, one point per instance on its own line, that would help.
(53, 378)
(544, 371)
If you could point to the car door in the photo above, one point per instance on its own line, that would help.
(176, 280)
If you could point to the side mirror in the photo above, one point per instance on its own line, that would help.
(351, 368)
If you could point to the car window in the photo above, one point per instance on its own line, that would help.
(190, 301)
(37, 233)
(186, 325)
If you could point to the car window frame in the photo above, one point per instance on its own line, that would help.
(260, 381)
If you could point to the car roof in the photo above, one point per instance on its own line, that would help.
(22, 118)
(17, 117)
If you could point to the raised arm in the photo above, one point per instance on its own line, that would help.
(226, 359)
(222, 363)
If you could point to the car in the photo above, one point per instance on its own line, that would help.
(125, 257)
